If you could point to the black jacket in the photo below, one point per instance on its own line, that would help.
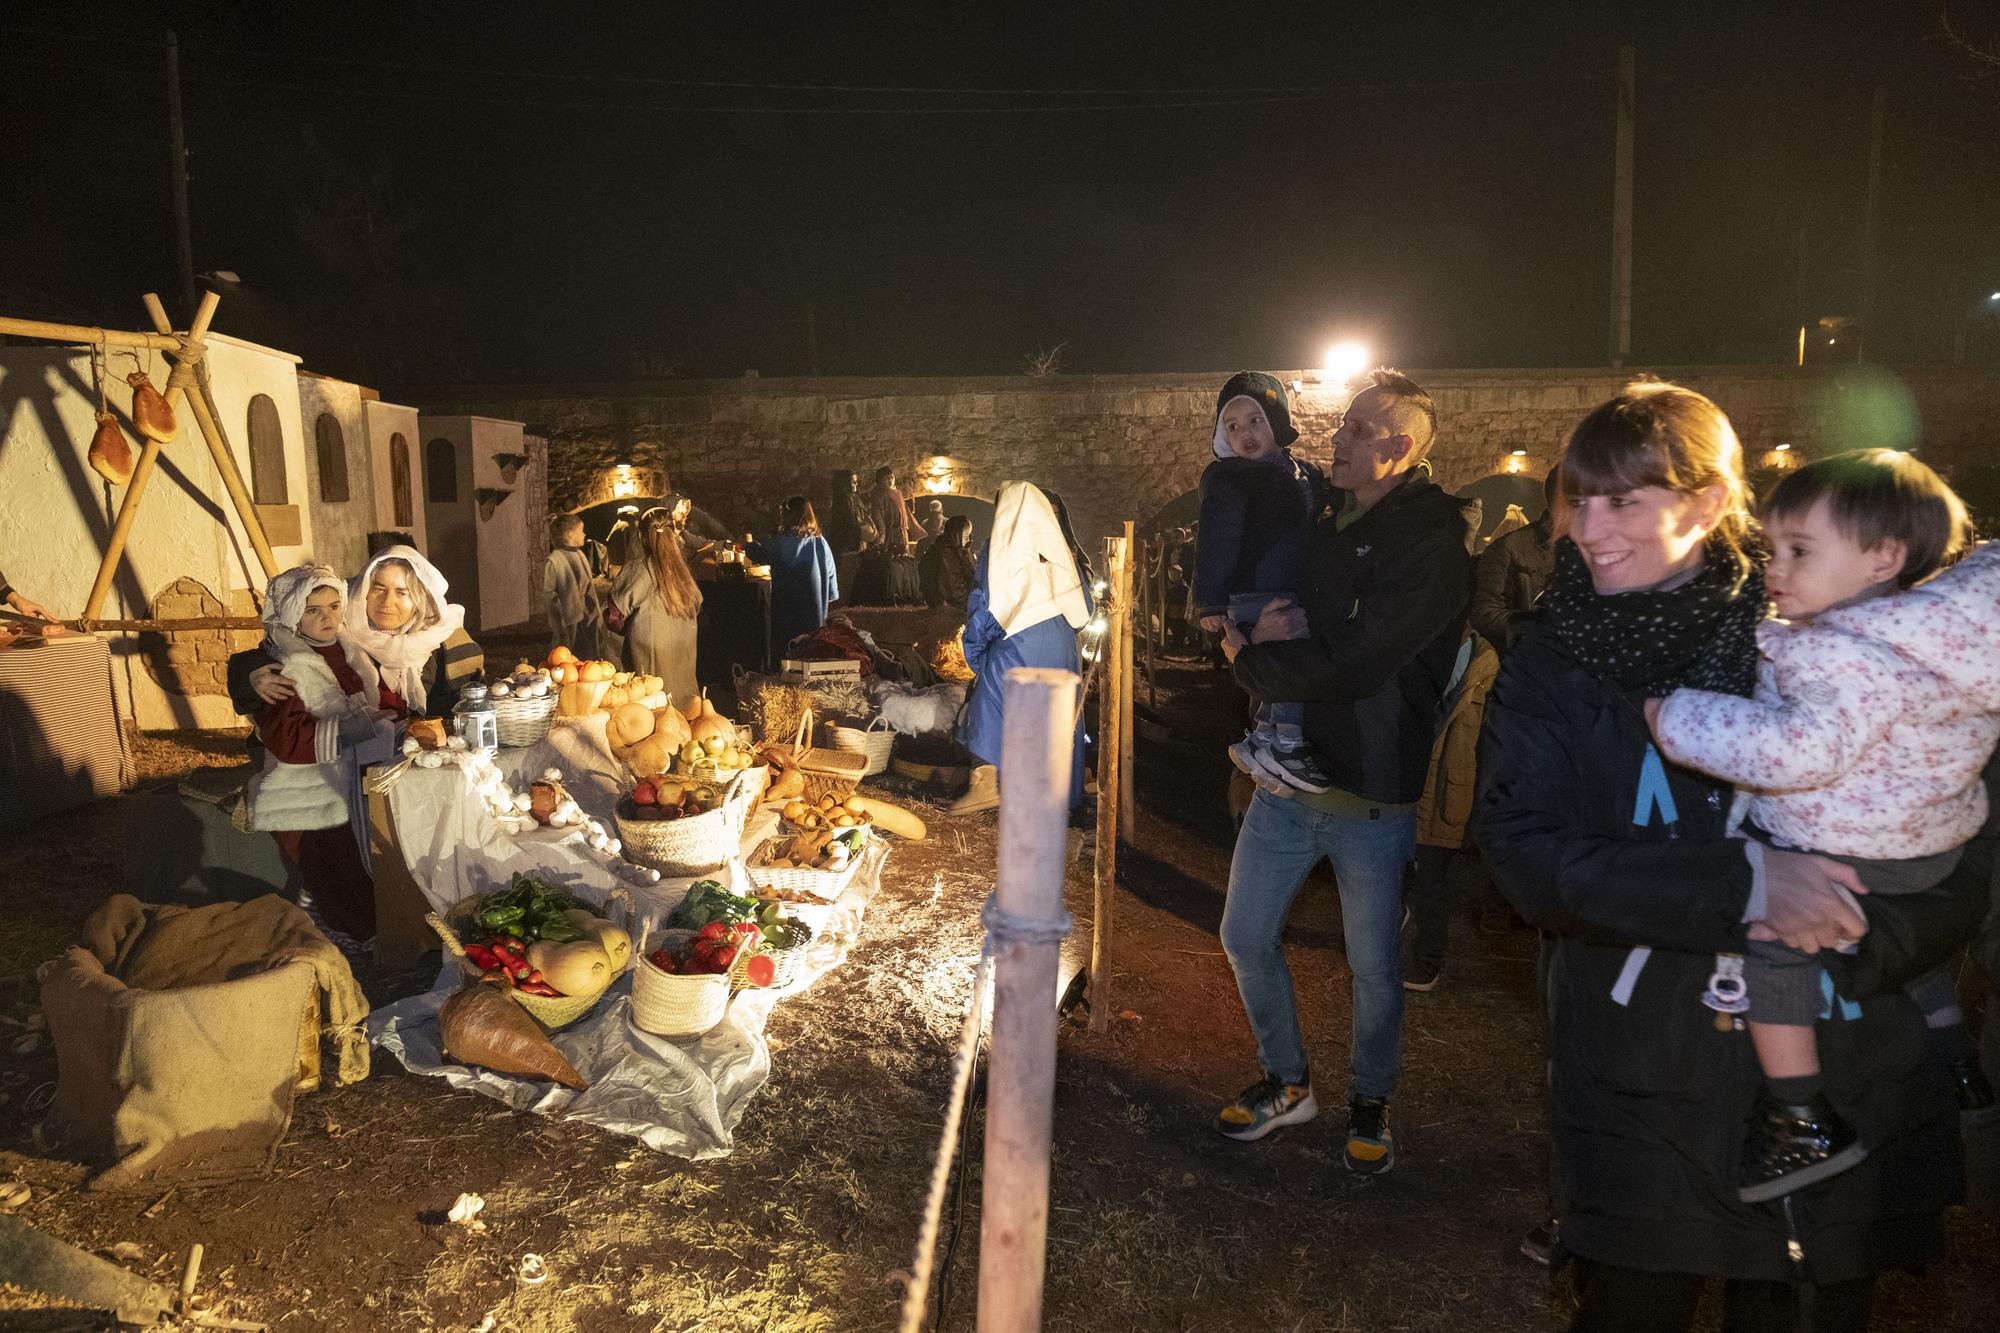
(1385, 610)
(457, 661)
(1510, 577)
(1256, 518)
(1650, 1103)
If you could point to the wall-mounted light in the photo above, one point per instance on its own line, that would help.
(940, 476)
(1344, 362)
(624, 484)
(1516, 461)
(1779, 458)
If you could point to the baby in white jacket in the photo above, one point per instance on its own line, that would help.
(1876, 708)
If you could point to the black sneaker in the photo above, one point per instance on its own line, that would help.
(1543, 1243)
(1371, 1147)
(1976, 1103)
(1295, 767)
(1795, 1146)
(1422, 976)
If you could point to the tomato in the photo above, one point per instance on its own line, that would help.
(714, 930)
(760, 970)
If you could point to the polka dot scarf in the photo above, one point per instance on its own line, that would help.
(1701, 634)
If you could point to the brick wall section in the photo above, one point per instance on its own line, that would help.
(195, 662)
(1120, 447)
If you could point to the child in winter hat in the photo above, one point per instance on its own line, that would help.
(1258, 503)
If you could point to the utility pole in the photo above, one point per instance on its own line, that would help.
(812, 337)
(183, 233)
(1871, 227)
(1621, 214)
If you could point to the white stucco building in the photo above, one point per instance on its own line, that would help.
(476, 507)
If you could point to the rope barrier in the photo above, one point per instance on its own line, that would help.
(1003, 928)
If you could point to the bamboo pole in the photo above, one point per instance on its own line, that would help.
(225, 461)
(1035, 755)
(142, 472)
(82, 333)
(1110, 752)
(164, 626)
(1122, 590)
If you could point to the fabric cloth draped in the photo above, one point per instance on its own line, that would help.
(402, 654)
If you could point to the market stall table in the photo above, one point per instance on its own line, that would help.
(677, 1095)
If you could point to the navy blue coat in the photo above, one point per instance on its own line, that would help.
(991, 652)
(1255, 519)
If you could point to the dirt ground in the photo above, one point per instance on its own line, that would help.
(1155, 1222)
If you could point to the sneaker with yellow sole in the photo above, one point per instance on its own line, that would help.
(1266, 1105)
(1371, 1147)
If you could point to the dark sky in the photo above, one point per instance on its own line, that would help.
(464, 192)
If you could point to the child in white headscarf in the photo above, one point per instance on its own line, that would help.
(304, 791)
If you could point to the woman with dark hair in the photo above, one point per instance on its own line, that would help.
(1030, 596)
(803, 581)
(1626, 863)
(657, 596)
(947, 564)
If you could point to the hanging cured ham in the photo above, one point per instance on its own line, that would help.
(110, 451)
(150, 412)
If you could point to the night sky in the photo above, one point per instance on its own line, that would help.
(437, 193)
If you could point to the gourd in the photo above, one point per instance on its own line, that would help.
(670, 727)
(617, 945)
(578, 968)
(629, 724)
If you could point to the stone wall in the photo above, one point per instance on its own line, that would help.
(195, 662)
(1120, 447)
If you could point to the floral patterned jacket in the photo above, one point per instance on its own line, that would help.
(1870, 724)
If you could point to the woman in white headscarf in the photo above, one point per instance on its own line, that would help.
(397, 615)
(1030, 596)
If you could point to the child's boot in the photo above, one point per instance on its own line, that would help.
(1795, 1146)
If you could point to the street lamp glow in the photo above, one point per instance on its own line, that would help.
(1344, 362)
(1994, 297)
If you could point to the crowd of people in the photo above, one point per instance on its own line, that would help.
(1733, 776)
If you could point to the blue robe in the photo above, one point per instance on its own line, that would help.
(992, 653)
(803, 584)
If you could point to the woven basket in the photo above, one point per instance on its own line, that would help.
(790, 961)
(868, 742)
(827, 884)
(678, 848)
(551, 1011)
(670, 1004)
(827, 772)
(523, 721)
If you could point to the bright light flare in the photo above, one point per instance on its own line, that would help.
(1344, 362)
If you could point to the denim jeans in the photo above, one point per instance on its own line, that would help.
(1244, 608)
(1280, 842)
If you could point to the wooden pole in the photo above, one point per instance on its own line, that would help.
(225, 461)
(1035, 754)
(1153, 615)
(1871, 227)
(177, 136)
(1122, 590)
(1621, 214)
(81, 333)
(1110, 751)
(142, 472)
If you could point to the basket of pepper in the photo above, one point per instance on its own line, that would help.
(554, 955)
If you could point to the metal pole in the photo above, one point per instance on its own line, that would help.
(1871, 227)
(1621, 214)
(183, 231)
(1035, 754)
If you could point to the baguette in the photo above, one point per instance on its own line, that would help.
(889, 817)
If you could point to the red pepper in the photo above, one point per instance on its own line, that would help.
(536, 988)
(485, 957)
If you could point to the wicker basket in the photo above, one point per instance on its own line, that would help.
(524, 719)
(790, 961)
(827, 772)
(671, 1004)
(826, 884)
(868, 742)
(678, 848)
(551, 1011)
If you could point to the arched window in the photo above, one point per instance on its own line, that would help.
(440, 472)
(332, 450)
(268, 482)
(399, 481)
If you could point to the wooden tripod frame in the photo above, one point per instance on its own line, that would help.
(166, 340)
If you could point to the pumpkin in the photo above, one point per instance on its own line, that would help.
(560, 655)
(617, 945)
(657, 701)
(646, 685)
(598, 671)
(621, 678)
(616, 696)
(578, 968)
(649, 758)
(629, 724)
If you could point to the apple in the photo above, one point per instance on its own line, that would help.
(645, 794)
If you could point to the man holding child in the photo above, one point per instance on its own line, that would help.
(1368, 647)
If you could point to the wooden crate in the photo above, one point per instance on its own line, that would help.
(797, 671)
